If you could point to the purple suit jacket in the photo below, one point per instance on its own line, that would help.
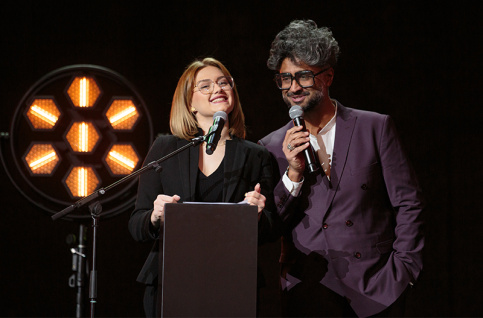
(365, 222)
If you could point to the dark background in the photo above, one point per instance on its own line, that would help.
(419, 61)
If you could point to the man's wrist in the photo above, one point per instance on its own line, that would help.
(293, 175)
(292, 186)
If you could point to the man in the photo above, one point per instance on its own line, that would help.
(352, 231)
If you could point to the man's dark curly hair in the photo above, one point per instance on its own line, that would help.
(302, 41)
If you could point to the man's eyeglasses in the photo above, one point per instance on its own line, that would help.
(206, 86)
(305, 79)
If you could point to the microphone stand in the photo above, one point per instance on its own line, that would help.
(95, 209)
(79, 266)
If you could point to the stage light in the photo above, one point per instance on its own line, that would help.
(82, 136)
(121, 159)
(83, 91)
(41, 159)
(43, 113)
(122, 114)
(81, 181)
(77, 129)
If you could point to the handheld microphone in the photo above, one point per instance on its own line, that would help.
(214, 133)
(296, 113)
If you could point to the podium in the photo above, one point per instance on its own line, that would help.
(209, 266)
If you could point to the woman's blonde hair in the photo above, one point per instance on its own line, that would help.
(182, 121)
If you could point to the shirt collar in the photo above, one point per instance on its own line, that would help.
(331, 122)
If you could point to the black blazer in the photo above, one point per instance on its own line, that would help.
(245, 165)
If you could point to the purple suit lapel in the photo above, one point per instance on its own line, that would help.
(345, 124)
(317, 187)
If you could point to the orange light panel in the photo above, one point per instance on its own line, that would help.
(83, 91)
(81, 181)
(122, 114)
(122, 159)
(42, 159)
(82, 137)
(43, 114)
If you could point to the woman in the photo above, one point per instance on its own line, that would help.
(205, 88)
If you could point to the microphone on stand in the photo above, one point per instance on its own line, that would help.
(297, 115)
(214, 133)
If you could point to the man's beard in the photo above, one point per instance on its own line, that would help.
(309, 103)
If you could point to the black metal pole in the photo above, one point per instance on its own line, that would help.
(81, 265)
(95, 209)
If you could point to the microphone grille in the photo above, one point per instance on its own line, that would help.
(221, 114)
(295, 111)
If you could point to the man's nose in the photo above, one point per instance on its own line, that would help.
(295, 87)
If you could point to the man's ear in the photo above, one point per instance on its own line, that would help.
(329, 77)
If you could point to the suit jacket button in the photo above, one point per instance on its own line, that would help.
(325, 226)
(349, 223)
(364, 187)
(357, 255)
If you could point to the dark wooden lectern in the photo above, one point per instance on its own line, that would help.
(209, 264)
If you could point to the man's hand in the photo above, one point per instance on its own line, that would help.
(295, 142)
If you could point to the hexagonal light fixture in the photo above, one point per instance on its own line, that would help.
(81, 181)
(68, 139)
(82, 136)
(41, 159)
(121, 159)
(83, 91)
(43, 113)
(122, 114)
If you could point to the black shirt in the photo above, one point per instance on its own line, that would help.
(210, 188)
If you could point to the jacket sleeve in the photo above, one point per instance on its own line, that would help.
(406, 198)
(149, 186)
(269, 224)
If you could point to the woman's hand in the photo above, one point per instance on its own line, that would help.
(256, 198)
(157, 216)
